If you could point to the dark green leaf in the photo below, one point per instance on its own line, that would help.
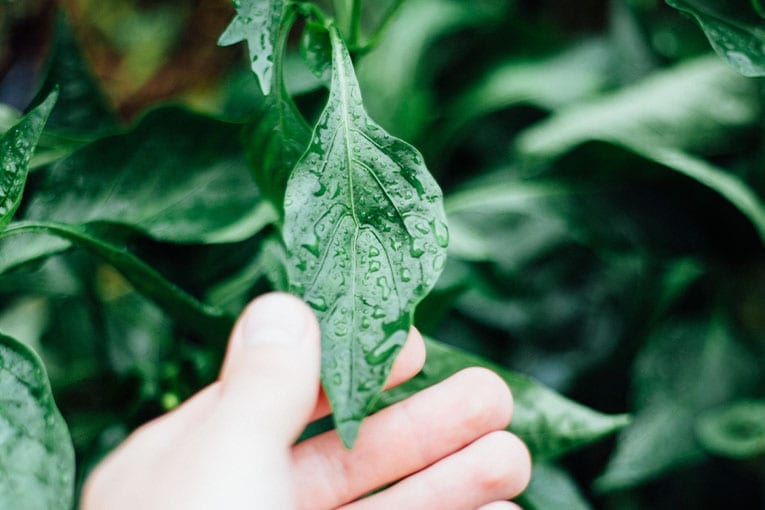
(551, 425)
(16, 148)
(736, 431)
(37, 458)
(670, 395)
(82, 109)
(257, 22)
(186, 309)
(735, 29)
(366, 238)
(316, 50)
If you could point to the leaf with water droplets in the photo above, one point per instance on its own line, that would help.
(16, 148)
(366, 235)
(36, 453)
(734, 30)
(257, 22)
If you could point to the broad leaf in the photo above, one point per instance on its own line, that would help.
(37, 458)
(550, 425)
(670, 397)
(257, 22)
(366, 237)
(16, 148)
(735, 29)
(736, 431)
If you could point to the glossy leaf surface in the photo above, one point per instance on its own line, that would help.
(550, 424)
(37, 458)
(257, 22)
(366, 236)
(16, 148)
(735, 29)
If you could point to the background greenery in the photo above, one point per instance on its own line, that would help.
(603, 173)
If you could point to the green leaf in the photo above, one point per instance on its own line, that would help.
(699, 105)
(257, 22)
(670, 396)
(82, 108)
(316, 50)
(366, 238)
(550, 424)
(37, 457)
(735, 30)
(736, 431)
(16, 148)
(552, 488)
(177, 176)
(185, 308)
(279, 134)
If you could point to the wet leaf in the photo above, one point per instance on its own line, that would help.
(257, 22)
(366, 237)
(735, 29)
(37, 457)
(16, 148)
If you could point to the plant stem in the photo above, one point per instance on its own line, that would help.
(354, 31)
(348, 16)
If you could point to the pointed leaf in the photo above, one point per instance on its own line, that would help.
(257, 22)
(36, 453)
(366, 236)
(16, 148)
(550, 424)
(734, 28)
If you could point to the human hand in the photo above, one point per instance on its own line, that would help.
(231, 447)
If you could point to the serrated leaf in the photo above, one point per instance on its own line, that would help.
(735, 30)
(550, 424)
(16, 148)
(36, 453)
(257, 22)
(366, 238)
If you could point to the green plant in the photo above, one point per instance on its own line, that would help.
(574, 255)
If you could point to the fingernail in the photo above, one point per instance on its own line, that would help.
(274, 319)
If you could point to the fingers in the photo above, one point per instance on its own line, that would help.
(270, 378)
(496, 466)
(402, 439)
(408, 363)
(500, 505)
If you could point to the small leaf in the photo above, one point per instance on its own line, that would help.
(736, 431)
(550, 424)
(16, 148)
(734, 29)
(316, 50)
(37, 457)
(366, 238)
(257, 22)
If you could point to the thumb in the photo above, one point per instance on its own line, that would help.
(270, 380)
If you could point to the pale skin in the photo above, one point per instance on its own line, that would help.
(232, 445)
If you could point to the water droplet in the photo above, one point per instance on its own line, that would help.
(382, 284)
(406, 275)
(378, 312)
(373, 251)
(318, 303)
(365, 323)
(337, 379)
(415, 248)
(384, 350)
(321, 190)
(422, 228)
(441, 232)
(374, 266)
(438, 262)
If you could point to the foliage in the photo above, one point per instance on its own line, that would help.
(602, 186)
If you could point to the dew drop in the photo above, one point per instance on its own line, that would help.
(406, 274)
(441, 232)
(318, 303)
(374, 266)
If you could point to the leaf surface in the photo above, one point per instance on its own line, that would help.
(37, 457)
(735, 29)
(16, 148)
(366, 237)
(257, 22)
(550, 424)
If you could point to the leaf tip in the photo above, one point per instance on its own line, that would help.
(348, 431)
